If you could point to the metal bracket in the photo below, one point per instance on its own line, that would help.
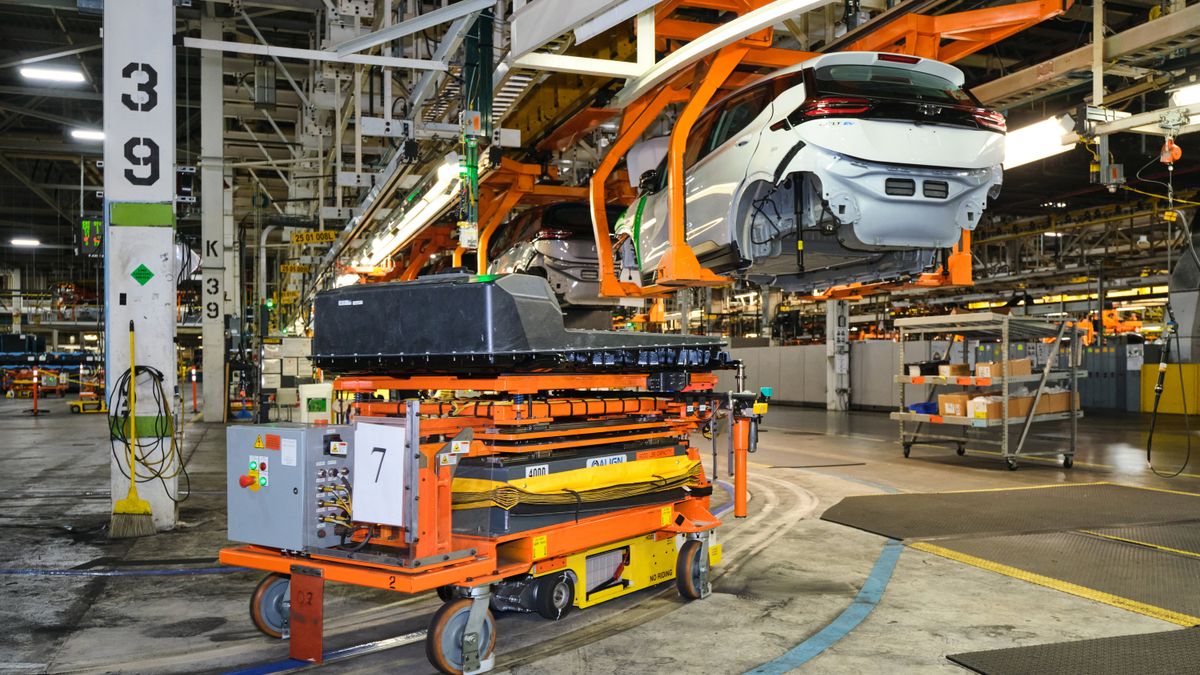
(472, 639)
(705, 582)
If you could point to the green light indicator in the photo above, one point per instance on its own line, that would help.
(262, 481)
(253, 465)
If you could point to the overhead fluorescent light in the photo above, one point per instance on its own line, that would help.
(87, 134)
(52, 74)
(24, 242)
(1037, 141)
(1186, 95)
(419, 214)
(1053, 234)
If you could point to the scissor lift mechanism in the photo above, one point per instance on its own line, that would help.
(594, 397)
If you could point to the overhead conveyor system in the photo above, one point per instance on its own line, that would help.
(695, 71)
(1125, 53)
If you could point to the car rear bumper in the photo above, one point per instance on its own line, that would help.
(577, 284)
(899, 205)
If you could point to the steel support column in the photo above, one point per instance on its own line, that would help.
(212, 225)
(837, 353)
(139, 240)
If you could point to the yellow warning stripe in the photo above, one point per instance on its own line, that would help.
(1059, 585)
(999, 489)
(1022, 487)
(1173, 492)
(1192, 554)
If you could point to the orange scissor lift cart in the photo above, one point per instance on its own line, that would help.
(489, 454)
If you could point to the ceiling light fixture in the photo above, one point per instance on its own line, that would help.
(1186, 95)
(87, 134)
(52, 74)
(1037, 141)
(25, 242)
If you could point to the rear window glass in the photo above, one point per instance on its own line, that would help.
(885, 82)
(576, 217)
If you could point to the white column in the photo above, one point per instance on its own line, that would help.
(212, 223)
(837, 353)
(139, 260)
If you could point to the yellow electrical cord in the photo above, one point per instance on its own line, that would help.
(1177, 200)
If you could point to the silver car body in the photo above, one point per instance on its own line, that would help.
(568, 263)
(872, 198)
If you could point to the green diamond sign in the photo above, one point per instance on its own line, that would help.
(142, 274)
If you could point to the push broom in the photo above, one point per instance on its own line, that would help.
(131, 516)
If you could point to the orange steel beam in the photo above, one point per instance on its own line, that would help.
(679, 265)
(497, 212)
(579, 124)
(637, 118)
(967, 32)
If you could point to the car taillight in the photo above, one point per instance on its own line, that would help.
(990, 119)
(835, 105)
(898, 58)
(552, 234)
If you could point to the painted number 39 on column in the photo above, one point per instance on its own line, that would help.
(141, 153)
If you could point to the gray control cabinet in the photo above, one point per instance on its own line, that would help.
(277, 479)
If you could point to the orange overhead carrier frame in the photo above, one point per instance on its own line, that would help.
(946, 37)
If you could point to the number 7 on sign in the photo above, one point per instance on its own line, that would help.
(382, 453)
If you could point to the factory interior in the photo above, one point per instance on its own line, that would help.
(624, 336)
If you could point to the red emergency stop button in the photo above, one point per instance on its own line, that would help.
(246, 481)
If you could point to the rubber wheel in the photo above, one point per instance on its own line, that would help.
(443, 642)
(687, 570)
(1011, 464)
(446, 593)
(1068, 461)
(554, 596)
(907, 449)
(270, 604)
(962, 450)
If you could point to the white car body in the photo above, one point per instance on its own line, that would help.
(554, 241)
(879, 161)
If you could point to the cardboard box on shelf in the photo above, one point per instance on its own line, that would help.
(953, 405)
(953, 370)
(1016, 368)
(1056, 402)
(992, 407)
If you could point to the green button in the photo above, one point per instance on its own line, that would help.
(262, 481)
(253, 465)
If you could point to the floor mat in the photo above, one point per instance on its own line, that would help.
(1072, 506)
(1176, 651)
(1183, 538)
(1149, 581)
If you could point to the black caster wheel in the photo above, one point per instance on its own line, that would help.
(1068, 461)
(271, 603)
(907, 449)
(446, 593)
(554, 597)
(688, 578)
(962, 450)
(443, 641)
(1011, 464)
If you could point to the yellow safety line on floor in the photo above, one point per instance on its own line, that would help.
(1160, 547)
(1059, 585)
(997, 489)
(1023, 487)
(1173, 492)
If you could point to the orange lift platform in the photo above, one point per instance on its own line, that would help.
(545, 468)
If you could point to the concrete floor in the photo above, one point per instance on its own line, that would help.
(786, 573)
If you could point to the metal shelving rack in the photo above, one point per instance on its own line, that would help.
(1008, 329)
